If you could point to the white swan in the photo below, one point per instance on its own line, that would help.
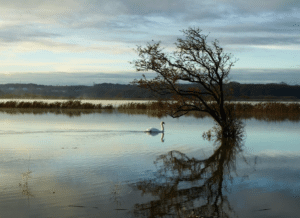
(156, 131)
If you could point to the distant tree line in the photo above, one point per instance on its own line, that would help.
(265, 91)
(119, 91)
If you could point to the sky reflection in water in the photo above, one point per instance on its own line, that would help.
(55, 165)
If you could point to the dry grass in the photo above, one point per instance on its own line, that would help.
(261, 111)
(61, 105)
(240, 108)
(143, 106)
(272, 107)
(272, 111)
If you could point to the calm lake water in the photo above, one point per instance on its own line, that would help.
(102, 165)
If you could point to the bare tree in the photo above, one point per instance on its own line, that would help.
(195, 62)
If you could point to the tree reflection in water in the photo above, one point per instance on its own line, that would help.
(188, 187)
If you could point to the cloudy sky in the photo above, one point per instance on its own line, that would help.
(92, 41)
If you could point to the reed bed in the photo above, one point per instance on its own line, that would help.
(271, 111)
(56, 105)
(143, 106)
(240, 108)
(39, 111)
(266, 108)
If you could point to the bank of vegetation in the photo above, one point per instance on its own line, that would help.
(272, 111)
(240, 108)
(54, 105)
(262, 111)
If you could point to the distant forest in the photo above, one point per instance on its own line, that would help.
(270, 91)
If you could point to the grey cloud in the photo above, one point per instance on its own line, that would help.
(190, 9)
(134, 17)
(121, 22)
(137, 7)
(73, 11)
(130, 21)
(82, 12)
(23, 33)
(245, 6)
(286, 27)
(260, 40)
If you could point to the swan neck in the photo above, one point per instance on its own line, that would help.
(162, 127)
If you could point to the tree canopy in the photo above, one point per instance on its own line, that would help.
(195, 62)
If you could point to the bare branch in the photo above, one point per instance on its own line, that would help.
(194, 62)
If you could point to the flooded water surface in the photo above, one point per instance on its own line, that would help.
(104, 165)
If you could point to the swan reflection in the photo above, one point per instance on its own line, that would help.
(155, 134)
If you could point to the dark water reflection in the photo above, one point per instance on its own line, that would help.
(189, 187)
